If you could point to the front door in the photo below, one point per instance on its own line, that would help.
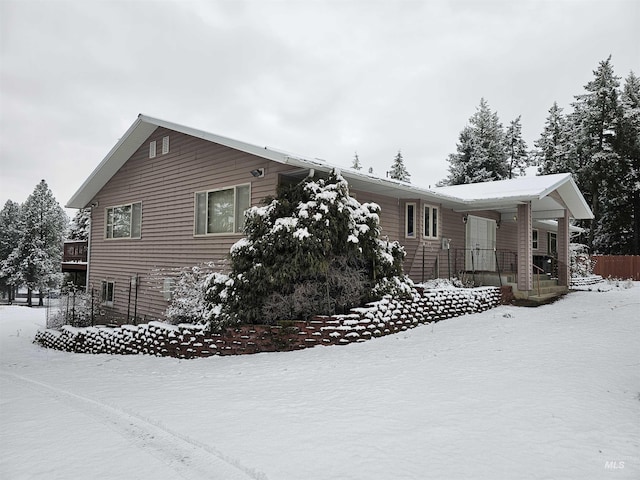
(480, 244)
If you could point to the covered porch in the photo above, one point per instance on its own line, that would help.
(504, 251)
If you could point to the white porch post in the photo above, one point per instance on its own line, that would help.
(563, 250)
(525, 248)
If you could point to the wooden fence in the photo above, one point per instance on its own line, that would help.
(617, 266)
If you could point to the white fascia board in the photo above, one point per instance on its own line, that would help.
(114, 160)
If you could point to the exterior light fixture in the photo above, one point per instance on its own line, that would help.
(258, 172)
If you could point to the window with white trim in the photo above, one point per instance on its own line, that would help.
(108, 288)
(165, 145)
(124, 221)
(534, 239)
(221, 211)
(152, 149)
(552, 243)
(430, 222)
(410, 220)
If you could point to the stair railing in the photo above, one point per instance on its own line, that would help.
(535, 267)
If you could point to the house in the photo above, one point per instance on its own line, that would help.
(168, 196)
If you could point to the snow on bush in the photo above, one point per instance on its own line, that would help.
(188, 303)
(313, 249)
(582, 265)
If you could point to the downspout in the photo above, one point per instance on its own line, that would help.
(86, 280)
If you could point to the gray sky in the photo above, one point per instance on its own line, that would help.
(324, 78)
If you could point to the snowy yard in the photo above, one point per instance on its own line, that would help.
(513, 393)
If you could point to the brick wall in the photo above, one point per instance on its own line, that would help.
(189, 341)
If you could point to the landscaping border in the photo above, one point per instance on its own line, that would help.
(377, 319)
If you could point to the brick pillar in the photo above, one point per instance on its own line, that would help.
(564, 275)
(525, 249)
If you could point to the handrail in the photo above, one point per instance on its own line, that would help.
(538, 268)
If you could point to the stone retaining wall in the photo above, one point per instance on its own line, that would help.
(189, 341)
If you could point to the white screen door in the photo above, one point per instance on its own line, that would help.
(480, 244)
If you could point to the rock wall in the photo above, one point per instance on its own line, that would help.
(189, 341)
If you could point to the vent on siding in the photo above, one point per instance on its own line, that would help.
(165, 145)
(152, 149)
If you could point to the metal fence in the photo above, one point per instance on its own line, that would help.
(71, 306)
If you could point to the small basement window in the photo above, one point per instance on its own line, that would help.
(108, 288)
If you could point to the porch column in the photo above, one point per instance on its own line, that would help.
(525, 248)
(564, 275)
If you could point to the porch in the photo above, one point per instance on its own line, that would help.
(499, 268)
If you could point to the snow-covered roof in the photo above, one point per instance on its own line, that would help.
(548, 194)
(502, 196)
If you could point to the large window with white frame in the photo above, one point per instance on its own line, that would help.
(410, 220)
(221, 211)
(431, 222)
(124, 221)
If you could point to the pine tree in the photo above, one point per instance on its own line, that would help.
(398, 170)
(551, 150)
(80, 225)
(596, 120)
(481, 154)
(36, 260)
(10, 233)
(356, 165)
(618, 229)
(516, 149)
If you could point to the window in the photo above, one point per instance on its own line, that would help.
(221, 211)
(552, 243)
(165, 145)
(124, 221)
(152, 149)
(410, 220)
(534, 239)
(430, 222)
(108, 288)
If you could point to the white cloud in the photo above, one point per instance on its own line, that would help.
(322, 78)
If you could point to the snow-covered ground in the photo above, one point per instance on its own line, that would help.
(514, 393)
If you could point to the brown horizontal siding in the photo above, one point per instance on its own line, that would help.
(166, 186)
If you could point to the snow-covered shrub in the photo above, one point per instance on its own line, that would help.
(188, 303)
(443, 284)
(72, 307)
(399, 287)
(581, 264)
(312, 249)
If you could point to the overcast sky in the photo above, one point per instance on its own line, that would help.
(323, 79)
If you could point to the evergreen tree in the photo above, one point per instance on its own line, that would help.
(596, 121)
(516, 149)
(398, 170)
(481, 154)
(356, 165)
(313, 249)
(36, 259)
(10, 233)
(630, 152)
(619, 195)
(551, 150)
(80, 225)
